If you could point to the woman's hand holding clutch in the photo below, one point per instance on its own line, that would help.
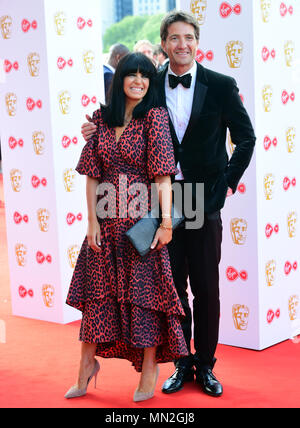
(163, 235)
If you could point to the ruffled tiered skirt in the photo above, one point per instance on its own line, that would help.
(128, 303)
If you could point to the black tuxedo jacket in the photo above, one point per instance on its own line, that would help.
(202, 153)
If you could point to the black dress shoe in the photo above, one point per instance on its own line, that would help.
(209, 383)
(176, 381)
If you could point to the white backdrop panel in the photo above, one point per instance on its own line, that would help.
(51, 57)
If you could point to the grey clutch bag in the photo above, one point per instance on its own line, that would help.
(141, 235)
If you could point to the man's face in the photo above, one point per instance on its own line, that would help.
(181, 45)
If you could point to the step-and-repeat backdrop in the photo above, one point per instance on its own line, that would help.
(257, 42)
(51, 76)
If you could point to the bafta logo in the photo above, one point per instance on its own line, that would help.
(33, 61)
(240, 315)
(38, 141)
(73, 252)
(265, 6)
(89, 61)
(238, 227)
(289, 50)
(69, 176)
(6, 26)
(234, 53)
(293, 307)
(48, 295)
(60, 23)
(16, 179)
(267, 94)
(290, 136)
(291, 224)
(21, 252)
(269, 186)
(270, 272)
(11, 104)
(198, 9)
(64, 99)
(43, 217)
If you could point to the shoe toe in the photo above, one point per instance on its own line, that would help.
(74, 392)
(209, 384)
(176, 381)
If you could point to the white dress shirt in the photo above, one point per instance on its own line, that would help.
(179, 102)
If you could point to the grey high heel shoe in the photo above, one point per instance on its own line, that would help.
(75, 392)
(142, 396)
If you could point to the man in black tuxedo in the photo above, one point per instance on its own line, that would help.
(202, 106)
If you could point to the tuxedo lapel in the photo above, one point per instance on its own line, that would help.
(163, 103)
(161, 88)
(198, 101)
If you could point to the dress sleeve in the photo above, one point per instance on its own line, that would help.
(89, 162)
(160, 151)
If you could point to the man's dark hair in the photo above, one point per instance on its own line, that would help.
(119, 50)
(178, 16)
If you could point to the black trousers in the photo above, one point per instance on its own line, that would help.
(196, 254)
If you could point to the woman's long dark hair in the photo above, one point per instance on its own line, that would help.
(113, 113)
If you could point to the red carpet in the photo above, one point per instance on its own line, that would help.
(39, 362)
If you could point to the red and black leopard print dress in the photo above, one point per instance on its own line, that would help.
(128, 302)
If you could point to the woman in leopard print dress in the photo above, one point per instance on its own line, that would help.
(129, 303)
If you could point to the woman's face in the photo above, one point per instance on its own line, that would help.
(136, 86)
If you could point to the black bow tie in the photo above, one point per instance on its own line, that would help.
(185, 80)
